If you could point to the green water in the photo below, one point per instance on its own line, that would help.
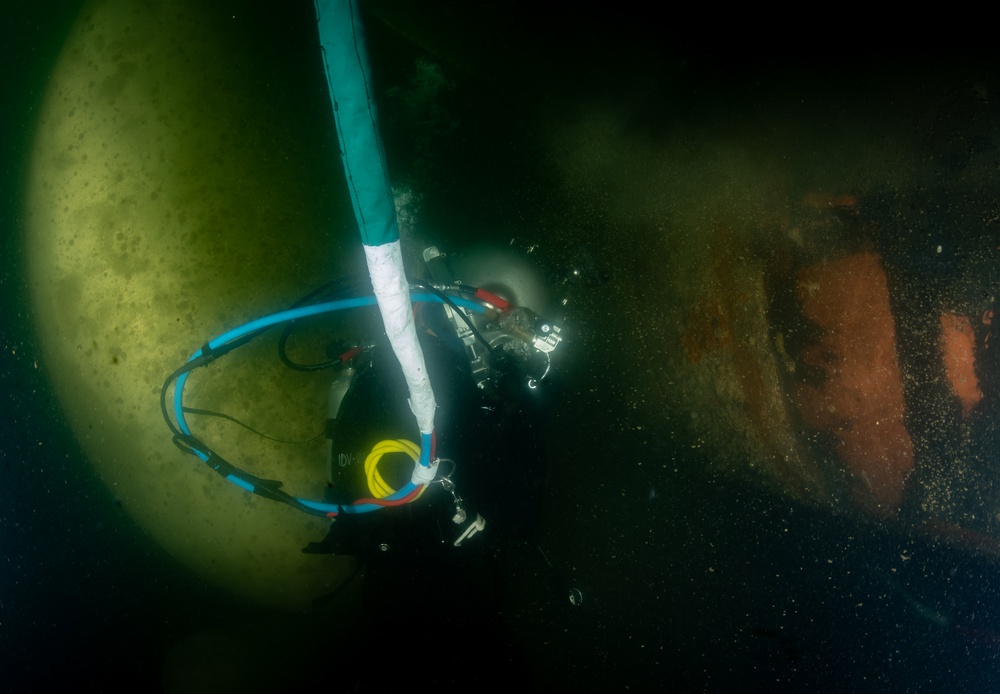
(180, 176)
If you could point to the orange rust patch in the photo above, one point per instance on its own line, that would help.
(958, 347)
(860, 400)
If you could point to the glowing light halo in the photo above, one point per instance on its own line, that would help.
(172, 194)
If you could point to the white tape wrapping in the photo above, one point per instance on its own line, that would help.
(385, 265)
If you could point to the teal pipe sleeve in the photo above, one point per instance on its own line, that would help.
(348, 77)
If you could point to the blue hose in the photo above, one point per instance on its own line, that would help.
(258, 324)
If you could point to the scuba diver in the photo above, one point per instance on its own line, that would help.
(434, 418)
(489, 360)
(488, 371)
(490, 376)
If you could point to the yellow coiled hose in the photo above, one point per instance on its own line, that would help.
(376, 483)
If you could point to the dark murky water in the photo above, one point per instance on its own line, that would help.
(631, 162)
